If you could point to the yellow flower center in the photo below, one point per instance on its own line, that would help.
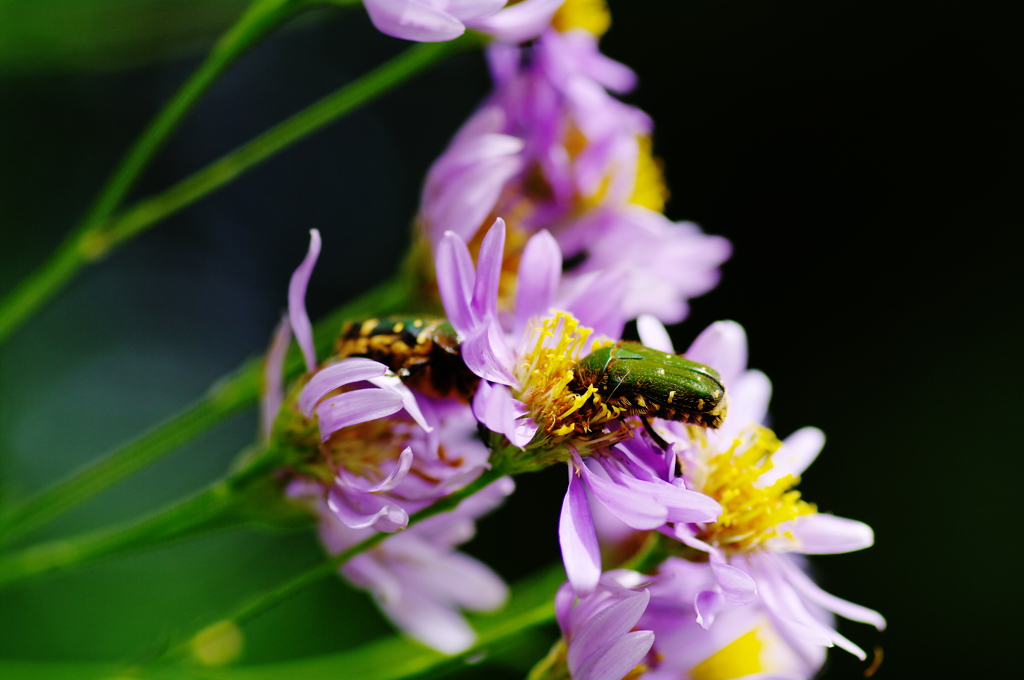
(751, 513)
(590, 15)
(545, 374)
(650, 189)
(737, 659)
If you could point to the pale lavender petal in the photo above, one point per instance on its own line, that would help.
(488, 271)
(397, 474)
(485, 353)
(723, 347)
(458, 579)
(680, 504)
(748, 398)
(564, 599)
(618, 658)
(653, 334)
(736, 585)
(821, 534)
(540, 270)
(578, 539)
(473, 9)
(519, 23)
(411, 20)
(707, 604)
(798, 451)
(636, 509)
(330, 378)
(357, 512)
(602, 628)
(356, 407)
(409, 402)
(273, 375)
(810, 590)
(596, 300)
(297, 301)
(455, 280)
(433, 623)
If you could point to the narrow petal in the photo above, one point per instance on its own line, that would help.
(605, 626)
(578, 539)
(273, 375)
(797, 453)
(540, 270)
(707, 604)
(485, 353)
(297, 301)
(488, 272)
(636, 509)
(356, 514)
(431, 622)
(409, 403)
(519, 23)
(397, 474)
(356, 407)
(810, 590)
(330, 378)
(821, 534)
(737, 586)
(653, 334)
(455, 280)
(618, 658)
(723, 347)
(413, 20)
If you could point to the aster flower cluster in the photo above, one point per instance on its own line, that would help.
(541, 233)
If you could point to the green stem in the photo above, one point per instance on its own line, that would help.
(260, 19)
(229, 395)
(268, 600)
(98, 236)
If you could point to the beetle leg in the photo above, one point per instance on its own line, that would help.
(654, 435)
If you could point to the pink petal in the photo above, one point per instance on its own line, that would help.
(707, 604)
(488, 271)
(618, 658)
(810, 590)
(636, 509)
(411, 20)
(578, 539)
(519, 23)
(273, 375)
(356, 407)
(723, 347)
(605, 626)
(736, 585)
(485, 353)
(330, 378)
(455, 280)
(297, 301)
(540, 270)
(821, 534)
(409, 403)
(797, 453)
(653, 334)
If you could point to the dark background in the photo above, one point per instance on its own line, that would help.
(863, 158)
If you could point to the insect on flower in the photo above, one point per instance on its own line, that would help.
(423, 352)
(639, 381)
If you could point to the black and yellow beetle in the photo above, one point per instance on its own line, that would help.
(423, 352)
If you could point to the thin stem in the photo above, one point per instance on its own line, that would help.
(99, 236)
(260, 19)
(268, 600)
(228, 395)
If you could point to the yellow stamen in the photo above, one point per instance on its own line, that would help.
(546, 372)
(590, 15)
(751, 514)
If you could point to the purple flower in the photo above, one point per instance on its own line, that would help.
(524, 395)
(416, 576)
(440, 20)
(754, 546)
(597, 628)
(552, 150)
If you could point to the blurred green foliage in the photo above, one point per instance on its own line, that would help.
(40, 36)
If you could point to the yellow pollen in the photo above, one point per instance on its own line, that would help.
(739, 658)
(546, 372)
(650, 189)
(590, 15)
(751, 513)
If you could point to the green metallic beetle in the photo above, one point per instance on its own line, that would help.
(640, 381)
